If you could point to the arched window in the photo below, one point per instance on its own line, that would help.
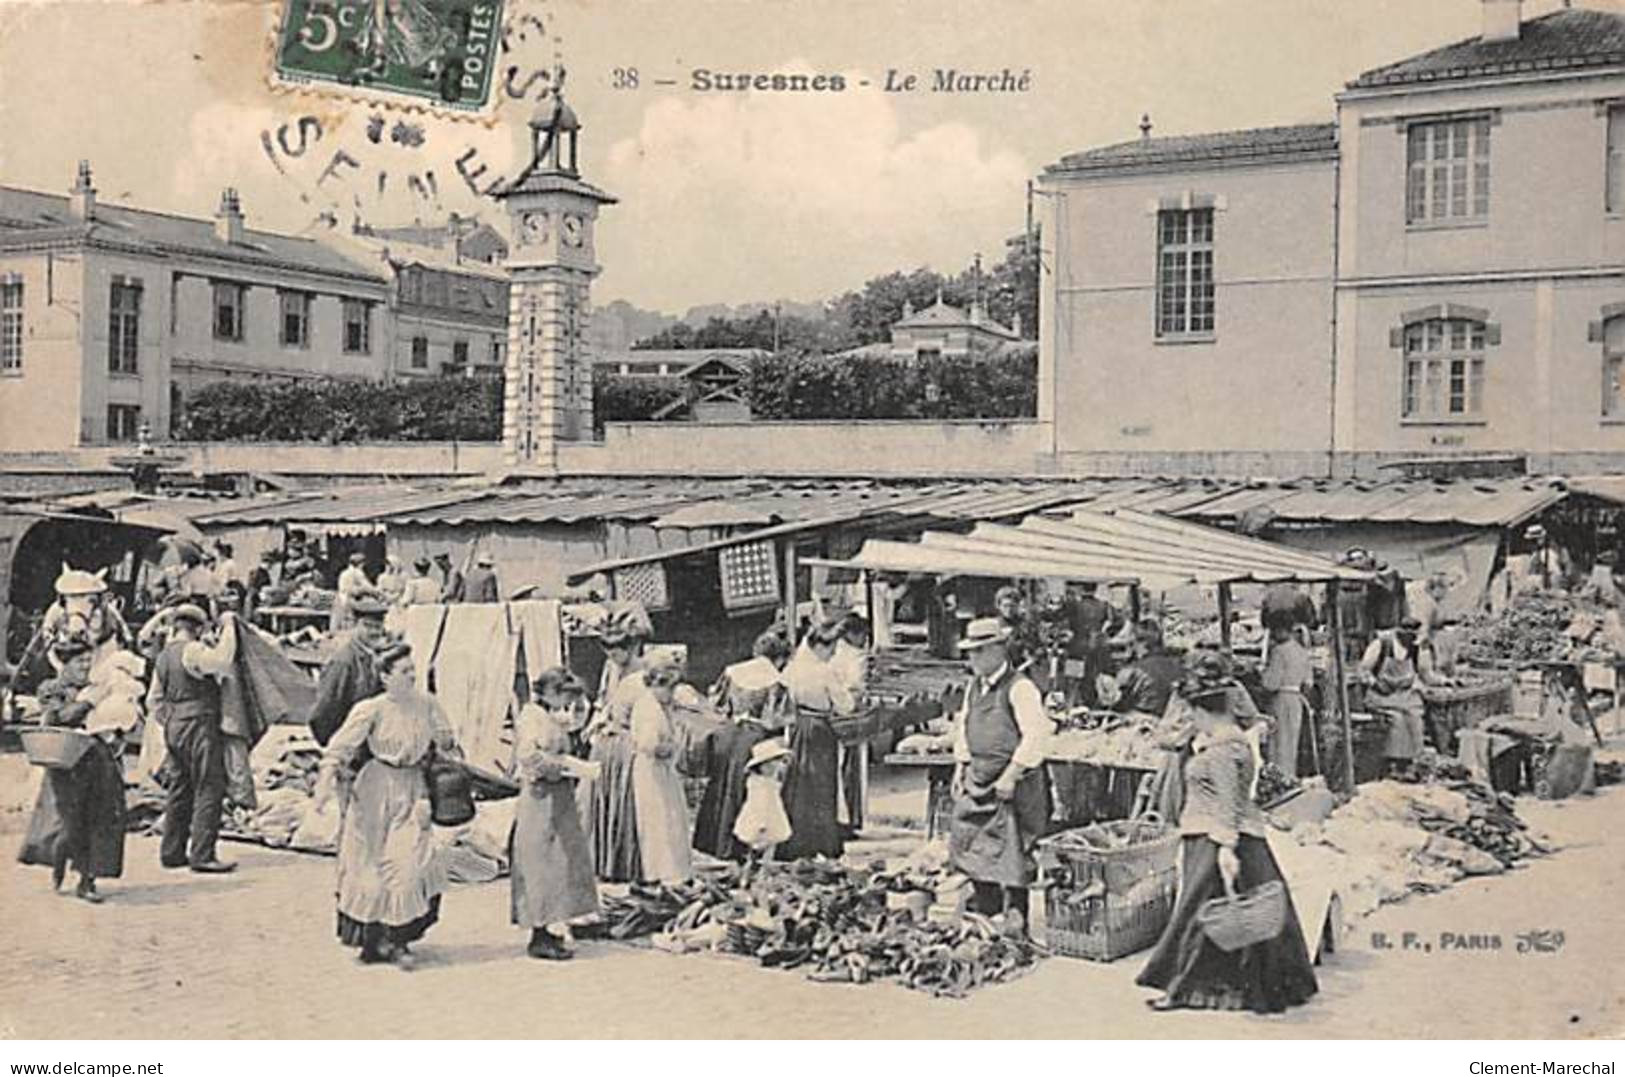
(1444, 369)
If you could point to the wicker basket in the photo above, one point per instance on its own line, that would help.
(742, 938)
(1237, 921)
(1450, 710)
(59, 749)
(1103, 904)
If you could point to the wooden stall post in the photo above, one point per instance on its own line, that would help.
(791, 627)
(1224, 619)
(1339, 675)
(1134, 602)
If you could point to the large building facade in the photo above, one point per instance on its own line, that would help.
(1439, 273)
(111, 317)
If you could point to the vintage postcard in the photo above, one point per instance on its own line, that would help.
(1028, 519)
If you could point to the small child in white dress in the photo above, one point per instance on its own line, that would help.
(763, 823)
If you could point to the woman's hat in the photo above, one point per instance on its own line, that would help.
(984, 632)
(765, 752)
(558, 680)
(1208, 678)
(662, 661)
(73, 582)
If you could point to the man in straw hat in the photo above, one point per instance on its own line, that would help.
(1002, 799)
(186, 700)
(481, 583)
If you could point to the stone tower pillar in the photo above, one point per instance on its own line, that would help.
(547, 390)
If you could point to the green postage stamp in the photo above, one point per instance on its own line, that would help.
(442, 52)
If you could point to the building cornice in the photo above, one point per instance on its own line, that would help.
(1217, 164)
(1493, 276)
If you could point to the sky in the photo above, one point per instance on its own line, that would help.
(723, 197)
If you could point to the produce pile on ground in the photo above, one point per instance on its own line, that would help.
(839, 923)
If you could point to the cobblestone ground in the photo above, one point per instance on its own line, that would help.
(174, 955)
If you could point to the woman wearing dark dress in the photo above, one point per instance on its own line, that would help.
(1223, 839)
(749, 693)
(78, 820)
(818, 692)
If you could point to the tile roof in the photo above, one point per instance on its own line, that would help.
(1252, 145)
(1562, 40)
(26, 215)
(942, 315)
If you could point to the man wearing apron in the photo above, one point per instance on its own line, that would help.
(186, 689)
(1001, 792)
(1390, 662)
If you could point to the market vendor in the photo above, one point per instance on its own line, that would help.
(1287, 675)
(353, 586)
(1390, 661)
(1289, 606)
(818, 692)
(1147, 683)
(607, 804)
(351, 675)
(1094, 622)
(1001, 793)
(1012, 613)
(750, 693)
(185, 698)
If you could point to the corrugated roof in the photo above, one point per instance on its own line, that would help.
(1230, 147)
(1561, 41)
(23, 211)
(711, 503)
(1122, 546)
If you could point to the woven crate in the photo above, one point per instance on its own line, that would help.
(1103, 904)
(1450, 710)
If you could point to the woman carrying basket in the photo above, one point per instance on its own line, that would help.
(1223, 853)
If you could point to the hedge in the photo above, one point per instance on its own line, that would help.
(335, 411)
(784, 386)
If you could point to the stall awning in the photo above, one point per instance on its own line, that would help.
(1117, 547)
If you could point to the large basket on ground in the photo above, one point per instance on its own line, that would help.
(59, 749)
(1103, 903)
(1236, 921)
(1370, 747)
(1450, 710)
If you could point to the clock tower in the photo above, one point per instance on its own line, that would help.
(547, 384)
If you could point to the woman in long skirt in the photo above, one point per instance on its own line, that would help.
(657, 789)
(608, 810)
(748, 692)
(78, 819)
(1223, 840)
(818, 692)
(389, 876)
(552, 879)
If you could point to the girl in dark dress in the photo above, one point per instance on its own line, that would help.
(1223, 838)
(78, 820)
(751, 694)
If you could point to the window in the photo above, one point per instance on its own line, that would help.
(1184, 272)
(1615, 177)
(1613, 368)
(420, 353)
(228, 311)
(296, 319)
(124, 328)
(357, 326)
(1448, 171)
(496, 353)
(11, 325)
(459, 353)
(123, 422)
(1444, 369)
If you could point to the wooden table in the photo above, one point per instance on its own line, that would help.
(284, 619)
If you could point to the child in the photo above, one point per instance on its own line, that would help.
(763, 822)
(552, 869)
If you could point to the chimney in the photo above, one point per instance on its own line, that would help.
(1502, 19)
(82, 199)
(228, 219)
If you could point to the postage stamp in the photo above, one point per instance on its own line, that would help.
(440, 52)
